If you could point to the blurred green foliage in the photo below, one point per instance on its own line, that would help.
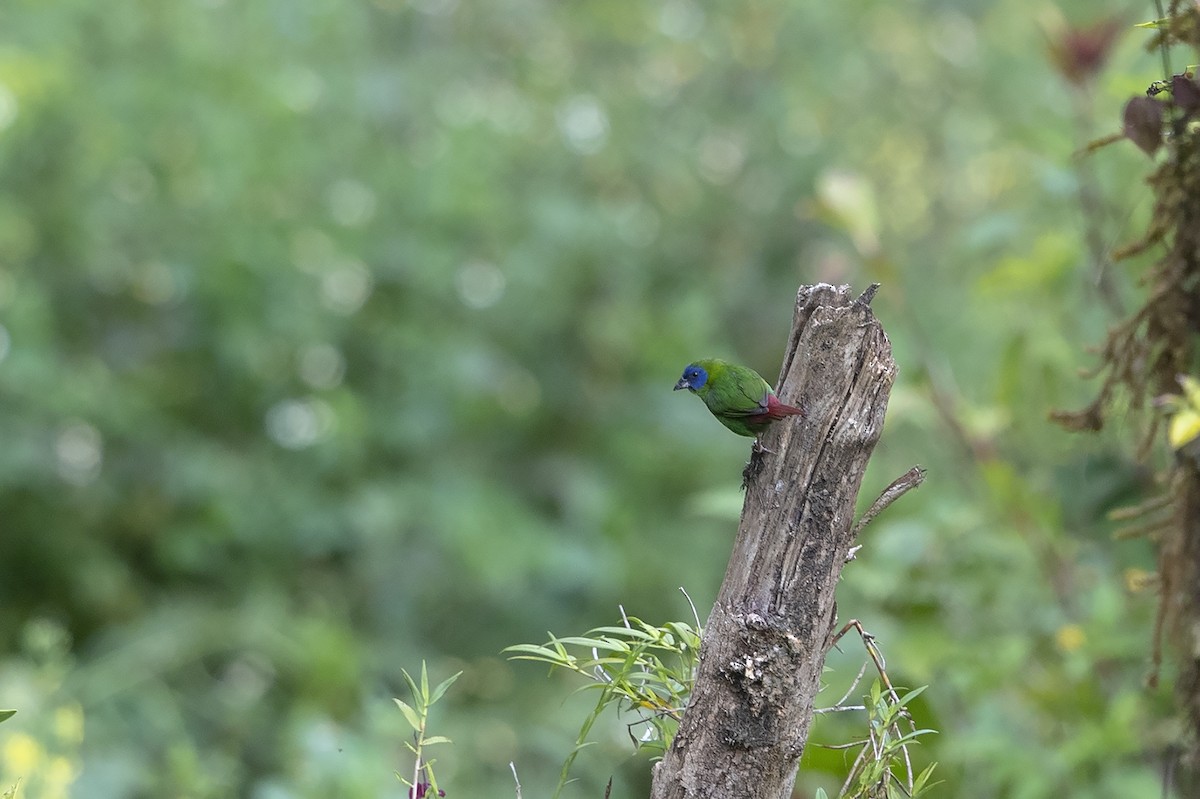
(335, 337)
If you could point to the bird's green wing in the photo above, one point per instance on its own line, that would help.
(739, 392)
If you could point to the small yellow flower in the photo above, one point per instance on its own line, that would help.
(21, 753)
(1137, 580)
(1070, 637)
(1184, 427)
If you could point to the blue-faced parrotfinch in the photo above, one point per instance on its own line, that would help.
(739, 397)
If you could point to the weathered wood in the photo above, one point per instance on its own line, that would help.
(764, 645)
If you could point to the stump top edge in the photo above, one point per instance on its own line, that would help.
(829, 294)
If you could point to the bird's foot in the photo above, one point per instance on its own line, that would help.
(757, 458)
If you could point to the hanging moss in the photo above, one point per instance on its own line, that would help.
(1144, 356)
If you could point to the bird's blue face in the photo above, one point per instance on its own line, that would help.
(693, 378)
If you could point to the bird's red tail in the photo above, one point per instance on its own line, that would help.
(777, 409)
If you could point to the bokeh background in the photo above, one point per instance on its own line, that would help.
(338, 337)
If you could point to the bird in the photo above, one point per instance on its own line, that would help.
(737, 395)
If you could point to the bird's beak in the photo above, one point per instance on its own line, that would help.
(681, 384)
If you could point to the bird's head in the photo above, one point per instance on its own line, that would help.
(693, 378)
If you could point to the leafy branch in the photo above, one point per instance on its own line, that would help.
(650, 670)
(636, 666)
(883, 767)
(1144, 355)
(417, 715)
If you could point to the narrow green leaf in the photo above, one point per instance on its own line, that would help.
(560, 649)
(6, 714)
(606, 661)
(922, 778)
(622, 632)
(607, 644)
(436, 739)
(411, 716)
(540, 653)
(911, 695)
(650, 629)
(553, 663)
(872, 772)
(425, 685)
(441, 688)
(412, 685)
(912, 735)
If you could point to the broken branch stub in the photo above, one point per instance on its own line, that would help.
(764, 646)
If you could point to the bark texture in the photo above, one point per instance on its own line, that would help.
(764, 645)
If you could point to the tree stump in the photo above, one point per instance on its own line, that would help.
(764, 645)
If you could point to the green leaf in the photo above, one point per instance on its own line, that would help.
(687, 636)
(440, 690)
(559, 648)
(412, 685)
(607, 644)
(872, 772)
(425, 685)
(436, 739)
(912, 735)
(876, 692)
(6, 714)
(623, 632)
(911, 695)
(535, 652)
(411, 716)
(919, 784)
